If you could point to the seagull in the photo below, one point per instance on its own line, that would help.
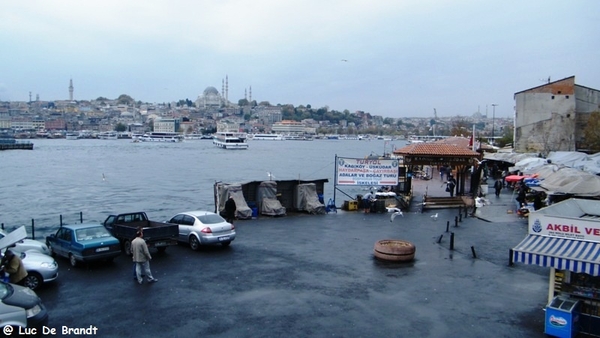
(395, 212)
(344, 60)
(434, 217)
(103, 177)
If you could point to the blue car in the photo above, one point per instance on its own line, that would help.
(84, 243)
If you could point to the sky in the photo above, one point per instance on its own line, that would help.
(393, 58)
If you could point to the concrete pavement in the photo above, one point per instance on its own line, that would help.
(315, 276)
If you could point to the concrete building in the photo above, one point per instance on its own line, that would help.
(167, 125)
(553, 116)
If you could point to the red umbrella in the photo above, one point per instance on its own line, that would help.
(515, 178)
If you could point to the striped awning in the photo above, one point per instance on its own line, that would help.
(559, 253)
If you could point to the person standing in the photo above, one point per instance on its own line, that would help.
(450, 185)
(13, 265)
(141, 258)
(230, 209)
(498, 186)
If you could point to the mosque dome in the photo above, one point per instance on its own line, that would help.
(211, 90)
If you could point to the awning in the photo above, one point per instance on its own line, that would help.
(559, 253)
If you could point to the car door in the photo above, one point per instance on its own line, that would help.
(178, 219)
(63, 241)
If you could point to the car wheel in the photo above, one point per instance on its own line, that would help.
(161, 249)
(33, 280)
(226, 244)
(72, 260)
(194, 243)
(394, 250)
(127, 247)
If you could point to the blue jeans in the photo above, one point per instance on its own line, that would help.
(146, 269)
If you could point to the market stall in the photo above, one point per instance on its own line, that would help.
(566, 238)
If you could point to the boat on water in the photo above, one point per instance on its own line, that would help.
(161, 137)
(198, 137)
(266, 137)
(230, 140)
(108, 135)
(72, 136)
(299, 137)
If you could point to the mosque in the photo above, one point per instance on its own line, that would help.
(211, 98)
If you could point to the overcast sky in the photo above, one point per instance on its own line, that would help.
(405, 58)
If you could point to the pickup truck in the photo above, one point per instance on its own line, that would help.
(157, 235)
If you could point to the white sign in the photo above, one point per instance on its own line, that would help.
(361, 171)
(569, 228)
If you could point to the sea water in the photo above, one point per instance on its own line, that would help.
(96, 178)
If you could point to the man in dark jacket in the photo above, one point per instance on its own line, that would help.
(498, 186)
(230, 209)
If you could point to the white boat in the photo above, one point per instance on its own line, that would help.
(72, 136)
(299, 137)
(267, 137)
(161, 137)
(230, 140)
(108, 135)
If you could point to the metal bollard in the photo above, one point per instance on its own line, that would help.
(459, 217)
(61, 221)
(451, 241)
(81, 217)
(510, 257)
(455, 221)
(473, 251)
(32, 229)
(447, 226)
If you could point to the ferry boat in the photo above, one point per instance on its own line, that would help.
(230, 140)
(267, 137)
(108, 135)
(197, 137)
(299, 137)
(72, 136)
(161, 137)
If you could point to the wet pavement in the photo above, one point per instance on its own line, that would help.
(315, 276)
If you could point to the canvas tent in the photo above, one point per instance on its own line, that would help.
(222, 194)
(307, 199)
(266, 199)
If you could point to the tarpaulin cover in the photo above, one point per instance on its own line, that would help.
(307, 199)
(225, 190)
(266, 199)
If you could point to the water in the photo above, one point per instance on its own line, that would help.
(100, 177)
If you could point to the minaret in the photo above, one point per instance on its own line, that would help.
(223, 99)
(245, 94)
(227, 89)
(71, 90)
(250, 94)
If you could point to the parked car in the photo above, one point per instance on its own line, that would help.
(27, 244)
(203, 228)
(21, 307)
(84, 243)
(40, 268)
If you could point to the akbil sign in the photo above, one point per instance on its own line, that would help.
(579, 229)
(369, 172)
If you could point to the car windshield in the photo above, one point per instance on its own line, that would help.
(211, 219)
(92, 233)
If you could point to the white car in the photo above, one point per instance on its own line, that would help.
(202, 228)
(40, 268)
(27, 244)
(21, 307)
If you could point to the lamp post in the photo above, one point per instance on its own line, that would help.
(493, 118)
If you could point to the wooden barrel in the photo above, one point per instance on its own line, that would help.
(396, 250)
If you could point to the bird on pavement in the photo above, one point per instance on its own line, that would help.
(434, 217)
(395, 212)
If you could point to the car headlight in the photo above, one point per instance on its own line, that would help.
(33, 311)
(48, 265)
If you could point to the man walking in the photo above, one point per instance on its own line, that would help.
(230, 209)
(498, 186)
(141, 258)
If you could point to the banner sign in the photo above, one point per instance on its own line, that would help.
(361, 171)
(579, 229)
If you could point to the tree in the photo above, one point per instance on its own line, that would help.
(460, 126)
(507, 136)
(120, 127)
(591, 132)
(124, 99)
(242, 102)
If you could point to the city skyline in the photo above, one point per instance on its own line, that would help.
(393, 59)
